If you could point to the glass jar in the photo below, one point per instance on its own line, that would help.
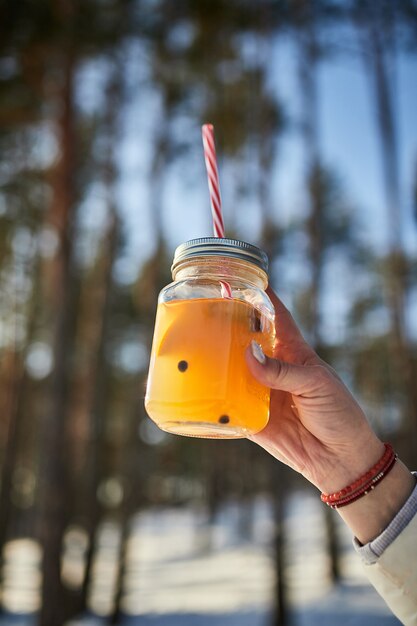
(199, 383)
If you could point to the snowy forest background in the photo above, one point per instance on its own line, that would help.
(102, 176)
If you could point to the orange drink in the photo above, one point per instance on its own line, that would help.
(199, 383)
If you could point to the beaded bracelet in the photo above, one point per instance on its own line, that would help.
(365, 483)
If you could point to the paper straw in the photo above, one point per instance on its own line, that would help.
(214, 189)
(213, 179)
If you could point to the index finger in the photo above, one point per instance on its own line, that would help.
(288, 335)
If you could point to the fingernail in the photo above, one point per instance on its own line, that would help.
(258, 353)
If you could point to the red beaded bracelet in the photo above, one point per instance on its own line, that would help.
(365, 483)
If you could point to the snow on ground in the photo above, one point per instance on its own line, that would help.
(175, 564)
(182, 571)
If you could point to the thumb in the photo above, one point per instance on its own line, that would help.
(277, 374)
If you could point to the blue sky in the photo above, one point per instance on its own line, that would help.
(350, 141)
(349, 144)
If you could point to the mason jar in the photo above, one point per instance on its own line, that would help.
(199, 383)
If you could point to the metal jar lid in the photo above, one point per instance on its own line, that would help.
(215, 246)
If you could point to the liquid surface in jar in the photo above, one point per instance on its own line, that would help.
(199, 383)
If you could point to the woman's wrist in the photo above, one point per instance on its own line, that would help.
(370, 515)
(364, 483)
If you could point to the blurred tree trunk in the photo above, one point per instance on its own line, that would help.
(308, 63)
(270, 242)
(215, 488)
(131, 502)
(13, 393)
(377, 32)
(308, 59)
(87, 403)
(154, 272)
(58, 296)
(89, 386)
(280, 478)
(11, 377)
(94, 468)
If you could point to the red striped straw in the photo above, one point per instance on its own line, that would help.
(213, 179)
(214, 189)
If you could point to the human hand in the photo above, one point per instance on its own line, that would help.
(315, 426)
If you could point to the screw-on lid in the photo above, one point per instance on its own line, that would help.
(216, 246)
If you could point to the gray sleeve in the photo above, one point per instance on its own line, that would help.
(370, 552)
